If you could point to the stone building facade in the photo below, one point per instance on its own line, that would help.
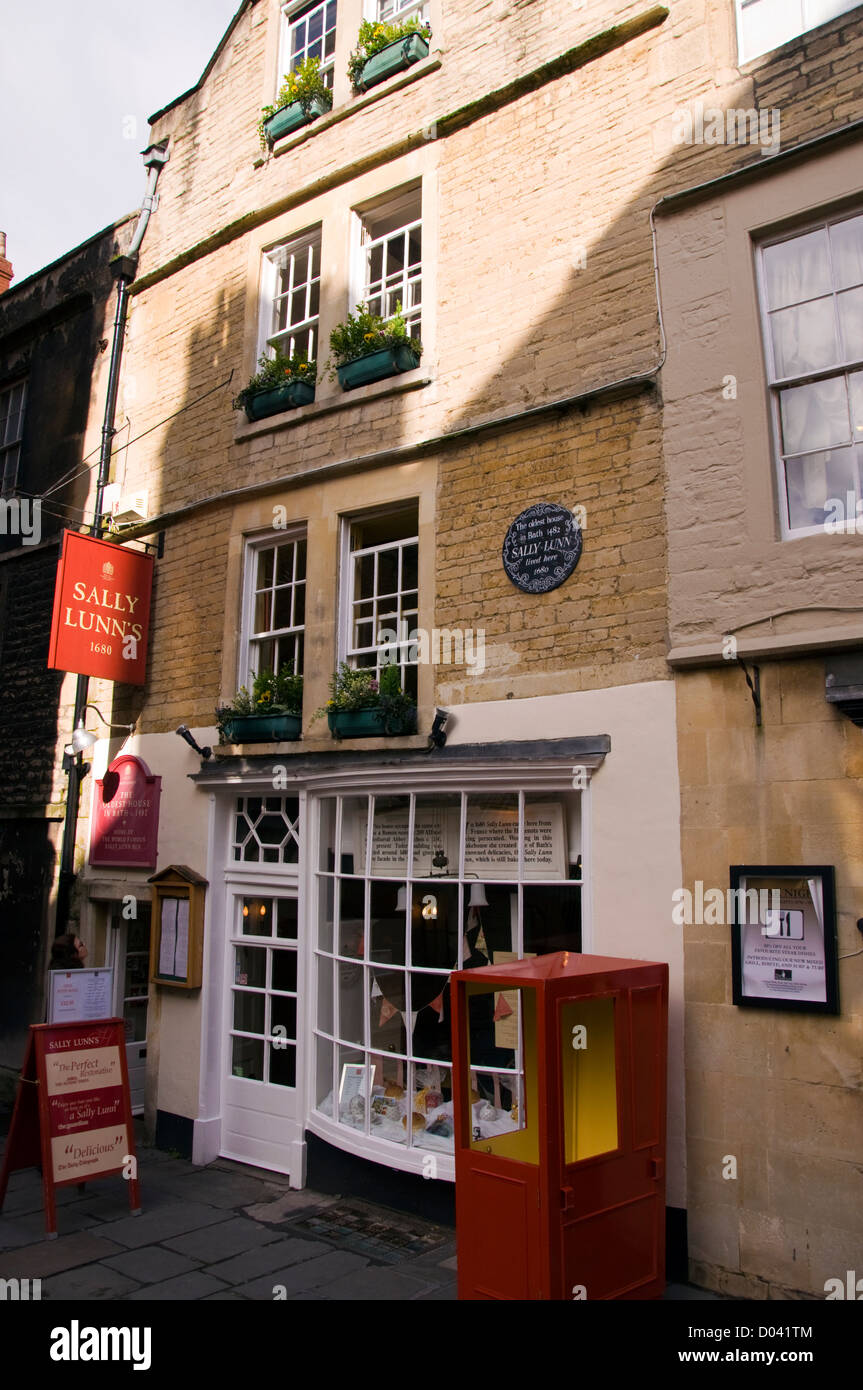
(585, 229)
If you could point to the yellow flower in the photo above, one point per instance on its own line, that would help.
(368, 337)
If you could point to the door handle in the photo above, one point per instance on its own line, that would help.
(567, 1195)
(657, 1168)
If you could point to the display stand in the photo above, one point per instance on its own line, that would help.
(72, 1116)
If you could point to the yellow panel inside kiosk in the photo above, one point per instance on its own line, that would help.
(589, 1078)
(518, 1078)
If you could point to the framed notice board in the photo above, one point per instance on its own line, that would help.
(177, 934)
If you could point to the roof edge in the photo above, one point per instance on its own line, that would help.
(217, 52)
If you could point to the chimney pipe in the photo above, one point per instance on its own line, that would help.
(5, 266)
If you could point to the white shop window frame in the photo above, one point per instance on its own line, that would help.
(776, 384)
(525, 779)
(401, 9)
(810, 14)
(347, 562)
(291, 13)
(254, 545)
(399, 200)
(267, 292)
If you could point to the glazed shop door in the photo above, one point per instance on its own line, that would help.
(130, 957)
(262, 1113)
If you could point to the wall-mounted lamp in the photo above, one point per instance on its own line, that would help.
(82, 738)
(189, 738)
(477, 896)
(437, 737)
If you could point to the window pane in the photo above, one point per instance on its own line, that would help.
(249, 1012)
(846, 242)
(552, 918)
(351, 1021)
(434, 928)
(491, 848)
(285, 970)
(812, 481)
(814, 416)
(247, 1058)
(390, 836)
(388, 923)
(250, 966)
(283, 1014)
(265, 569)
(352, 925)
(283, 1065)
(286, 909)
(798, 269)
(851, 322)
(257, 917)
(855, 384)
(804, 338)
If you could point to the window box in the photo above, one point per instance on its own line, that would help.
(375, 366)
(292, 118)
(370, 723)
(287, 397)
(394, 58)
(262, 728)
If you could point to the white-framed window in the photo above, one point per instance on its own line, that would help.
(390, 265)
(290, 297)
(12, 402)
(265, 830)
(308, 31)
(811, 286)
(763, 25)
(394, 11)
(380, 592)
(410, 885)
(274, 606)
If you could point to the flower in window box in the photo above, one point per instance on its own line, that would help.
(399, 45)
(281, 383)
(368, 348)
(362, 707)
(272, 713)
(302, 96)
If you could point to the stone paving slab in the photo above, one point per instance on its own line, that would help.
(311, 1274)
(53, 1256)
(69, 1220)
(225, 1190)
(377, 1285)
(220, 1242)
(282, 1254)
(152, 1227)
(92, 1282)
(285, 1207)
(152, 1264)
(186, 1288)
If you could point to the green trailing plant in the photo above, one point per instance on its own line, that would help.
(277, 371)
(375, 36)
(304, 84)
(272, 693)
(352, 690)
(363, 333)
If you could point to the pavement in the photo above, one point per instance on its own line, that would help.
(224, 1232)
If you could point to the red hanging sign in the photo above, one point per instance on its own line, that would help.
(72, 1112)
(125, 820)
(101, 610)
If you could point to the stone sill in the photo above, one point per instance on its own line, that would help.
(359, 103)
(376, 390)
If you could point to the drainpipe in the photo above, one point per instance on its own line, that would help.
(123, 268)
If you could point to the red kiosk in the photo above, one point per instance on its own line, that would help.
(559, 1089)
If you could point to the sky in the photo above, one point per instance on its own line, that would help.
(78, 80)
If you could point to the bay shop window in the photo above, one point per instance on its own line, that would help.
(406, 887)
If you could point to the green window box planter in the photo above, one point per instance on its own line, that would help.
(292, 117)
(262, 728)
(286, 397)
(370, 723)
(375, 366)
(394, 58)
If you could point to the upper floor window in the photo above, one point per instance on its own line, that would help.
(275, 608)
(766, 24)
(12, 401)
(309, 31)
(291, 297)
(392, 259)
(380, 593)
(812, 307)
(394, 11)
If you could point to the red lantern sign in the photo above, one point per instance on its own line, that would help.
(101, 620)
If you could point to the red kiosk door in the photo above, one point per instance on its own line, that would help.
(611, 1056)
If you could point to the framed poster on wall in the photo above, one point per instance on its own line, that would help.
(783, 937)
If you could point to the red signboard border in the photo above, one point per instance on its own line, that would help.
(29, 1141)
(54, 638)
